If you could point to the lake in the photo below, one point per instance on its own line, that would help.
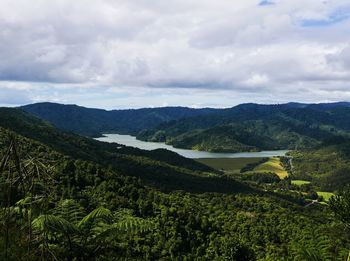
(192, 154)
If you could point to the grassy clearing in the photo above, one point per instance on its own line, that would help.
(273, 165)
(228, 164)
(300, 182)
(325, 195)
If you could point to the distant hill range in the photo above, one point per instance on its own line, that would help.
(93, 122)
(246, 127)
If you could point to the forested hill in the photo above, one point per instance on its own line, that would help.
(246, 127)
(164, 169)
(92, 122)
(326, 166)
(252, 127)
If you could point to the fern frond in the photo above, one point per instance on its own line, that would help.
(128, 226)
(98, 214)
(51, 223)
(70, 210)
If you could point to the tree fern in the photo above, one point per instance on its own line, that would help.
(314, 247)
(52, 223)
(127, 226)
(70, 210)
(340, 205)
(97, 215)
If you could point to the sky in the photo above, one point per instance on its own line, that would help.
(117, 54)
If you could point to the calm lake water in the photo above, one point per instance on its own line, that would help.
(133, 142)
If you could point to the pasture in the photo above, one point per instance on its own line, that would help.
(326, 195)
(300, 182)
(273, 165)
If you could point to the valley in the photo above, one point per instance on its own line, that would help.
(122, 197)
(131, 141)
(243, 128)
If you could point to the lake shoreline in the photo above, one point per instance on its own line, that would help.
(131, 141)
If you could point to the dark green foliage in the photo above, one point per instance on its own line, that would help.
(262, 177)
(326, 166)
(246, 127)
(93, 122)
(251, 127)
(340, 204)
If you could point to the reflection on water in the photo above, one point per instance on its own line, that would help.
(133, 142)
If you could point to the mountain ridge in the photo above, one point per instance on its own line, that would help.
(80, 119)
(245, 127)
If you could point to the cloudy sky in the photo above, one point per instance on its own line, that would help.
(146, 53)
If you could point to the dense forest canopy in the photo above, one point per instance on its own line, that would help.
(254, 127)
(93, 122)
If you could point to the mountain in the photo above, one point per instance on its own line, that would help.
(246, 127)
(250, 127)
(93, 122)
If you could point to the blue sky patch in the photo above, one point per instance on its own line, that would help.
(336, 17)
(266, 2)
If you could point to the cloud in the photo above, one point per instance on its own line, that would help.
(66, 50)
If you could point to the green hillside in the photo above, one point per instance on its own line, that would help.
(246, 127)
(326, 166)
(273, 165)
(93, 122)
(252, 128)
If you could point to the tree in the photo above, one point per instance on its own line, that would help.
(340, 205)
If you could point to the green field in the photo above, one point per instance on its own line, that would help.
(228, 164)
(273, 165)
(299, 182)
(325, 195)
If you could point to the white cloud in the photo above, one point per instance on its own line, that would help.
(161, 46)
